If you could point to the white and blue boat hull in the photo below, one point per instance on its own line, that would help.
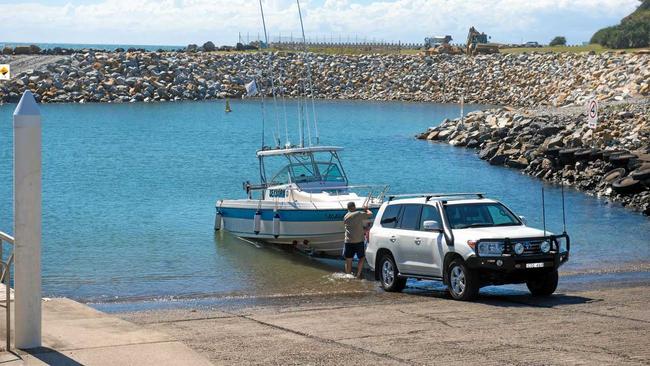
(317, 230)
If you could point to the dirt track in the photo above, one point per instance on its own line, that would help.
(606, 326)
(29, 62)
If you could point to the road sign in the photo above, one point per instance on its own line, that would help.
(592, 113)
(5, 72)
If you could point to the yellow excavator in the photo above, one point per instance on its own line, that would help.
(477, 43)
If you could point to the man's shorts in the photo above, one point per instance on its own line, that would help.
(354, 248)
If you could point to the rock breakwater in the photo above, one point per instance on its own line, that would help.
(503, 79)
(611, 161)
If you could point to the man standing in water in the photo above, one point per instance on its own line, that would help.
(354, 236)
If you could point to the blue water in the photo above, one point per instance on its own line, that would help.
(129, 193)
(81, 46)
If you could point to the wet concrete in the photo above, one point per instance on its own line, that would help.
(610, 325)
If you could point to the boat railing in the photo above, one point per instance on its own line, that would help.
(380, 189)
(5, 278)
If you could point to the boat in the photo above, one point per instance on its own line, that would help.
(300, 203)
(303, 192)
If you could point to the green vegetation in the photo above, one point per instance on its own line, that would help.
(633, 32)
(558, 41)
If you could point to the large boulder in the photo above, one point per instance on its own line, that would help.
(22, 50)
(555, 141)
(549, 130)
(444, 134)
(519, 163)
(209, 46)
(498, 159)
(433, 135)
(488, 152)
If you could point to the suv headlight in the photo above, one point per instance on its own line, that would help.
(490, 248)
(519, 249)
(545, 247)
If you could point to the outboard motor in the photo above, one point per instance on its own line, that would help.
(257, 221)
(276, 225)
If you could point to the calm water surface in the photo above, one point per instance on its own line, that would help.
(129, 193)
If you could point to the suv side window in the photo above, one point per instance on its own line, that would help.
(390, 217)
(429, 213)
(410, 219)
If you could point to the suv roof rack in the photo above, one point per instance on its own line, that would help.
(436, 195)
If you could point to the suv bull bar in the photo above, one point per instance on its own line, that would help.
(509, 260)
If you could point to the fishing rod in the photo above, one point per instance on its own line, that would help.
(263, 114)
(276, 133)
(309, 77)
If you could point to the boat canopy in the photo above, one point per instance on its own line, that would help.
(298, 150)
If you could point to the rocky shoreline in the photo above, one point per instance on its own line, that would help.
(551, 143)
(551, 79)
(611, 161)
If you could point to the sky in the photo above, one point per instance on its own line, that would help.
(180, 22)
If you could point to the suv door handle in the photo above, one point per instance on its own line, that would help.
(418, 241)
(392, 239)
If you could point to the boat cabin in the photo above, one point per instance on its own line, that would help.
(312, 169)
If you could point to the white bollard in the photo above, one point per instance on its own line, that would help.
(27, 222)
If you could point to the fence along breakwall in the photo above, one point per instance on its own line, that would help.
(503, 79)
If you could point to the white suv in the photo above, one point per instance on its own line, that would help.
(465, 240)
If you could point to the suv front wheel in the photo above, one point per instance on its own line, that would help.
(543, 285)
(388, 275)
(463, 282)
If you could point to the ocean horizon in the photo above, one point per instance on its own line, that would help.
(96, 46)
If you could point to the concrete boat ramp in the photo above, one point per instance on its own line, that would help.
(75, 334)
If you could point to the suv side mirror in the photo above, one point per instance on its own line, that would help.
(523, 219)
(431, 225)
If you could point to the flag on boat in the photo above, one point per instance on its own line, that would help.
(251, 88)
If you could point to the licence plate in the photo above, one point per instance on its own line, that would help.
(534, 265)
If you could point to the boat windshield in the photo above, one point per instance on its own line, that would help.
(330, 172)
(307, 168)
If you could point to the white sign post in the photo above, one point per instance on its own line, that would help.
(462, 108)
(592, 113)
(5, 72)
(27, 221)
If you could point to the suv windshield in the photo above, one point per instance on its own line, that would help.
(467, 215)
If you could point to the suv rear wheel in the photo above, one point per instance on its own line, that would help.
(388, 274)
(543, 285)
(463, 282)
